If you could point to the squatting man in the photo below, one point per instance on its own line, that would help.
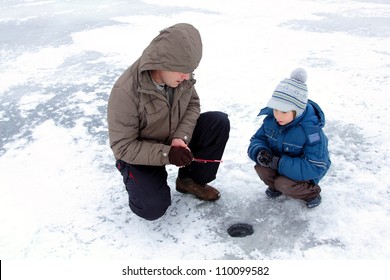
(154, 119)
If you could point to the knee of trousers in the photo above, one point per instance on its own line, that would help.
(266, 174)
(152, 207)
(223, 120)
(219, 118)
(223, 123)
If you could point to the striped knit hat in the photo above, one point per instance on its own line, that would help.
(291, 94)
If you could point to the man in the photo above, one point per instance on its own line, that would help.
(154, 119)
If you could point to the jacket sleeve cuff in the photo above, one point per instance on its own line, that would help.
(274, 163)
(164, 154)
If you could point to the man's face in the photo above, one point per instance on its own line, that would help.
(172, 79)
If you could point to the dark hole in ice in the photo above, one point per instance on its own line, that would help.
(240, 230)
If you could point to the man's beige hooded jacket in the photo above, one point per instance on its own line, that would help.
(141, 122)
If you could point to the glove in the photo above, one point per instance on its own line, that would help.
(180, 156)
(266, 159)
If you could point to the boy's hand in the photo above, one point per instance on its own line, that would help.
(265, 158)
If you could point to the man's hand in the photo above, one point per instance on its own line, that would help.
(177, 142)
(180, 156)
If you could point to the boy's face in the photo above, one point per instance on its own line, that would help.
(284, 118)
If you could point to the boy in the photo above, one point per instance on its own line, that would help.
(290, 149)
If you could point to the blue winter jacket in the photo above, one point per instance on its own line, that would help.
(301, 145)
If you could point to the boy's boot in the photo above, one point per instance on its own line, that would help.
(204, 192)
(272, 193)
(314, 202)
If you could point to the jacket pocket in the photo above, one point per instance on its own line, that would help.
(269, 132)
(155, 121)
(271, 139)
(292, 150)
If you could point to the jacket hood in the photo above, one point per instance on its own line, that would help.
(312, 114)
(177, 48)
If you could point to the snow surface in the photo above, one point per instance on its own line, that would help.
(60, 194)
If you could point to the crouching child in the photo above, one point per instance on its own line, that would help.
(290, 148)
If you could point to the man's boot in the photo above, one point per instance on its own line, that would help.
(204, 192)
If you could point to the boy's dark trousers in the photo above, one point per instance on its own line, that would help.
(304, 190)
(149, 193)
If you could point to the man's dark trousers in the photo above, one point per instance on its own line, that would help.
(149, 193)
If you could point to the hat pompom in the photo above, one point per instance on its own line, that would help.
(299, 74)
